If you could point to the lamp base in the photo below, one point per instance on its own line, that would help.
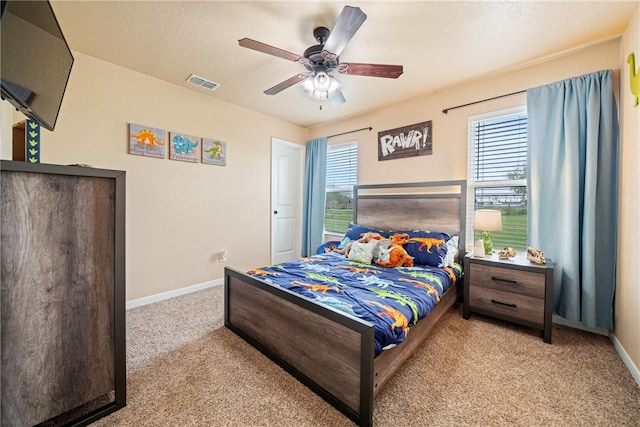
(488, 246)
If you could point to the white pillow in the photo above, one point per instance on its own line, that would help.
(452, 251)
(381, 249)
(362, 252)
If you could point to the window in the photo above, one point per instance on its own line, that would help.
(497, 176)
(342, 175)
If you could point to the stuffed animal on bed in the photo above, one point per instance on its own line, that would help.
(366, 238)
(397, 255)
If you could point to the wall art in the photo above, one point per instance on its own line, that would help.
(407, 141)
(214, 152)
(32, 129)
(184, 147)
(147, 141)
(634, 78)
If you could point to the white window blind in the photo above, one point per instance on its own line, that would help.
(342, 175)
(498, 174)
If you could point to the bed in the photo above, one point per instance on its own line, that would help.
(334, 353)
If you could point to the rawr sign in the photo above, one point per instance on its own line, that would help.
(407, 141)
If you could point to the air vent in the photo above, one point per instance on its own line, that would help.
(207, 84)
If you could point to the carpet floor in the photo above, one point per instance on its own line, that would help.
(186, 369)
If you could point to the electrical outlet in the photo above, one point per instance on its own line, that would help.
(223, 255)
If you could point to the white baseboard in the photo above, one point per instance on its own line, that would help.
(166, 295)
(635, 372)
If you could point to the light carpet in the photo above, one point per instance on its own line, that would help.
(186, 369)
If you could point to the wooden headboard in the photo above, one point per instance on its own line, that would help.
(433, 206)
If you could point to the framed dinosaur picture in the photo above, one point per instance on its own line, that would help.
(214, 152)
(184, 147)
(147, 141)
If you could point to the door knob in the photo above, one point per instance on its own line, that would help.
(275, 212)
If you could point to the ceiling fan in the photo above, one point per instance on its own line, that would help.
(322, 59)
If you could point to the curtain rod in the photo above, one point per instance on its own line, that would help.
(446, 110)
(351, 131)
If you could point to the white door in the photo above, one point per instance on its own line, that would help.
(287, 164)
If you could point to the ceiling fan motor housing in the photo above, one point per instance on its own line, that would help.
(315, 53)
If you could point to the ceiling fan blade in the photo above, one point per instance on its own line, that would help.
(371, 70)
(285, 84)
(349, 21)
(265, 48)
(337, 99)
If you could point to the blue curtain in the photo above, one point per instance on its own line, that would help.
(315, 175)
(573, 185)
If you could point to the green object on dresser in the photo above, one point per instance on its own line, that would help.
(488, 246)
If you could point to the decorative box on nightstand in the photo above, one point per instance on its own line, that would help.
(515, 290)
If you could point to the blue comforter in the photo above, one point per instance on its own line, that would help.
(393, 299)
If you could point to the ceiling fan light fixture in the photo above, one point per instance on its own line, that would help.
(320, 86)
(334, 87)
(322, 81)
(307, 85)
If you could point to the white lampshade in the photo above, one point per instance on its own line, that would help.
(322, 81)
(487, 220)
(320, 86)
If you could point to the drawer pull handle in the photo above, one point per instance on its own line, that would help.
(498, 279)
(503, 303)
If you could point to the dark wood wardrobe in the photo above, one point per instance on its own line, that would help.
(62, 293)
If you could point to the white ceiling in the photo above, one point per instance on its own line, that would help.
(439, 43)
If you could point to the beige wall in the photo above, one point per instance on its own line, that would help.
(179, 215)
(5, 130)
(627, 314)
(449, 159)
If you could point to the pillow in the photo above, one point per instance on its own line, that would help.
(452, 252)
(328, 246)
(426, 247)
(381, 249)
(354, 232)
(362, 252)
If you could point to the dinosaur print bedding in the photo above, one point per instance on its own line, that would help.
(393, 299)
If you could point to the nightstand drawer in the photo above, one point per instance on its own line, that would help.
(508, 280)
(518, 306)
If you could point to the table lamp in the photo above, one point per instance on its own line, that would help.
(487, 220)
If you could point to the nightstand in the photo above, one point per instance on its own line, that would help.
(515, 290)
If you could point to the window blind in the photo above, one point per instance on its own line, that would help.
(342, 166)
(498, 175)
(500, 148)
(342, 175)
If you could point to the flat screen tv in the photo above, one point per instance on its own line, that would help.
(35, 60)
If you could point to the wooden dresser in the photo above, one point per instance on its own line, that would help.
(63, 294)
(515, 290)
